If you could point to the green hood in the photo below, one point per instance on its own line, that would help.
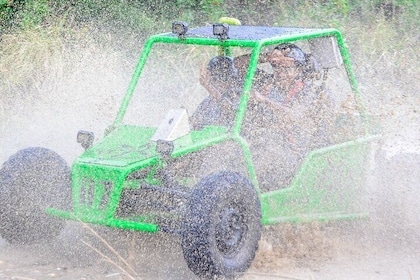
(123, 146)
(128, 145)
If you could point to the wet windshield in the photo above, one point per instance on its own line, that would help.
(209, 86)
(175, 77)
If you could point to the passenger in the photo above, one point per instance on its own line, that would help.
(291, 89)
(220, 79)
(290, 82)
(279, 114)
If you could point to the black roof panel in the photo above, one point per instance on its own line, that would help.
(245, 32)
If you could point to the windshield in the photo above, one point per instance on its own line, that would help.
(177, 77)
(208, 87)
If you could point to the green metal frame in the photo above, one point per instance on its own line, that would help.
(105, 164)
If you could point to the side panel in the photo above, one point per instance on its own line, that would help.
(225, 156)
(328, 185)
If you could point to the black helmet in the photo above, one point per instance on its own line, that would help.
(222, 68)
(294, 52)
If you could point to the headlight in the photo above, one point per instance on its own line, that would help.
(85, 138)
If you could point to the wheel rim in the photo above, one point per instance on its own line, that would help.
(231, 230)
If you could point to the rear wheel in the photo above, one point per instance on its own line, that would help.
(30, 181)
(221, 227)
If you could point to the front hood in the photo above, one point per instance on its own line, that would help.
(123, 146)
(128, 145)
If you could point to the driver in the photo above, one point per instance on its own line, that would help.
(220, 78)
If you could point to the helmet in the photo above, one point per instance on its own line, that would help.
(293, 51)
(222, 68)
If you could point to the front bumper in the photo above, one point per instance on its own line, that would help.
(110, 222)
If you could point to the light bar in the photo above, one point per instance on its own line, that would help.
(221, 30)
(180, 28)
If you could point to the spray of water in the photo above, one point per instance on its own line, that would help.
(82, 89)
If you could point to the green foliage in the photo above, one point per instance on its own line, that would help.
(23, 14)
(139, 18)
(6, 13)
(34, 13)
(156, 15)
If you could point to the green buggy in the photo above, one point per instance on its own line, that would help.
(216, 185)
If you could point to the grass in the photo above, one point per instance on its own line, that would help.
(126, 269)
(32, 53)
(51, 61)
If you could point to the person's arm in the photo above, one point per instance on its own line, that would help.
(241, 63)
(206, 83)
(261, 95)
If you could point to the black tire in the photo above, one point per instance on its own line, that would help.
(30, 181)
(222, 226)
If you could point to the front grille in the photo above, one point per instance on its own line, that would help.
(95, 194)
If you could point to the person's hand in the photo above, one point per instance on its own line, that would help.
(277, 59)
(262, 96)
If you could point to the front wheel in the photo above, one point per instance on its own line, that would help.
(30, 181)
(222, 226)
